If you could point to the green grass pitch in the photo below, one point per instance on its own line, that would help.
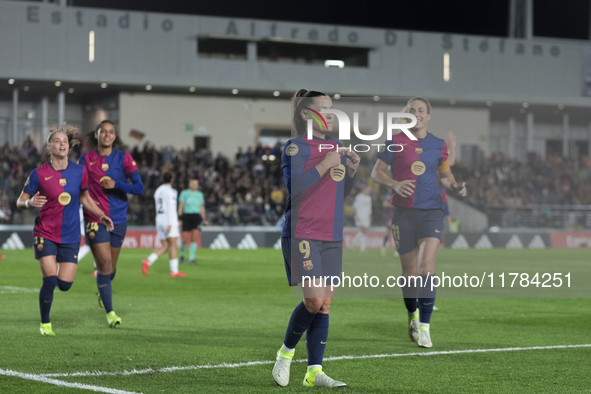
(233, 307)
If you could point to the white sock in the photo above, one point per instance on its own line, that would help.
(287, 350)
(425, 325)
(315, 365)
(174, 266)
(151, 258)
(363, 241)
(356, 238)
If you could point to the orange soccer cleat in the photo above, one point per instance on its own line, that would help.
(178, 275)
(145, 267)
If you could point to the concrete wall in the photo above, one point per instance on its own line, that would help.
(44, 41)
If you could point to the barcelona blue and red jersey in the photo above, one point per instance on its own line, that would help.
(118, 166)
(419, 161)
(315, 204)
(59, 218)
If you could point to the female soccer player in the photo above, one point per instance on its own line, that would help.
(108, 170)
(318, 176)
(167, 226)
(192, 212)
(417, 223)
(58, 188)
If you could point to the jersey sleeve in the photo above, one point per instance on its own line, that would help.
(183, 197)
(293, 160)
(129, 164)
(84, 183)
(386, 156)
(32, 184)
(442, 164)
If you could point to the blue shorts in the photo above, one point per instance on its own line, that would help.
(65, 253)
(310, 257)
(97, 233)
(411, 224)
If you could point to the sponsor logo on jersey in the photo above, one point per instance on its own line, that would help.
(292, 150)
(48, 177)
(92, 162)
(418, 168)
(308, 265)
(105, 177)
(105, 167)
(64, 198)
(63, 182)
(338, 173)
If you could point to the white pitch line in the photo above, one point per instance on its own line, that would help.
(40, 378)
(245, 364)
(14, 290)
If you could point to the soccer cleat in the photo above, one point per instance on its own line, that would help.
(316, 378)
(281, 368)
(413, 326)
(424, 337)
(145, 267)
(100, 302)
(178, 275)
(94, 273)
(193, 262)
(113, 319)
(45, 329)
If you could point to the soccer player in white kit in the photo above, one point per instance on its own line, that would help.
(167, 226)
(362, 206)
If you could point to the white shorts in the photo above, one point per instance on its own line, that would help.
(362, 222)
(162, 234)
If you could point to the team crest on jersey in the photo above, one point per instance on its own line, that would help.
(308, 265)
(338, 173)
(64, 198)
(418, 168)
(63, 182)
(418, 151)
(91, 235)
(105, 167)
(292, 150)
(40, 247)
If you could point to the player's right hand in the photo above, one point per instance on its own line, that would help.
(405, 188)
(37, 201)
(332, 159)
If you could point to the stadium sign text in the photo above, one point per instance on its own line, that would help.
(396, 38)
(123, 21)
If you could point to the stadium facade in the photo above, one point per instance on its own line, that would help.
(497, 94)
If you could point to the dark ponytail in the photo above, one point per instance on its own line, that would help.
(302, 98)
(92, 142)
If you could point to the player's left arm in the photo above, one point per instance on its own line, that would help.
(132, 171)
(449, 182)
(90, 205)
(202, 210)
(352, 164)
(445, 176)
